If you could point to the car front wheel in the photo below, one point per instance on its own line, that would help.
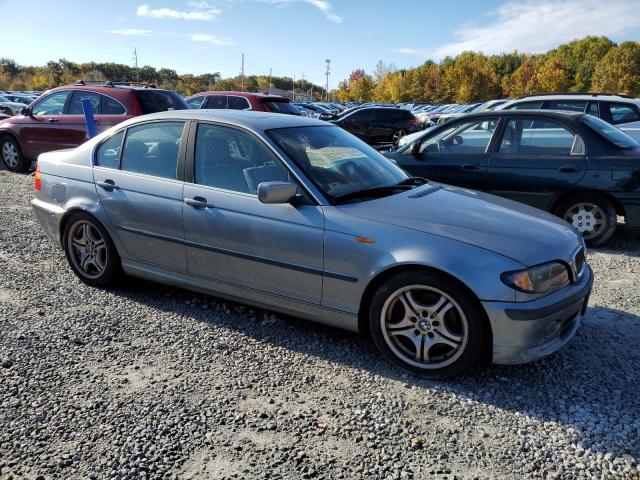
(90, 250)
(428, 324)
(12, 156)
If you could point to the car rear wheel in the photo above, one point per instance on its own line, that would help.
(397, 135)
(592, 215)
(12, 156)
(90, 250)
(428, 324)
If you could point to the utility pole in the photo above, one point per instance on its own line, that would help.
(242, 74)
(269, 81)
(293, 96)
(328, 72)
(135, 64)
(302, 86)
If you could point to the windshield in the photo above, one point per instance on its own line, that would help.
(611, 133)
(281, 106)
(335, 161)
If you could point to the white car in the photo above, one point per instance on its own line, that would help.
(620, 110)
(9, 107)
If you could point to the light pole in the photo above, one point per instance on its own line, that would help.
(328, 72)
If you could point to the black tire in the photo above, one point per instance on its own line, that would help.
(397, 135)
(471, 351)
(12, 156)
(603, 210)
(94, 277)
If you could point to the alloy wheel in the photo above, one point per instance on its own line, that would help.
(424, 326)
(397, 135)
(588, 218)
(10, 154)
(87, 249)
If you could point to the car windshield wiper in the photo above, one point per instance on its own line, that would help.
(406, 184)
(417, 181)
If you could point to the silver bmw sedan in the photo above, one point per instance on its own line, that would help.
(298, 216)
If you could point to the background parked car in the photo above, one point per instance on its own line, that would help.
(620, 110)
(478, 107)
(378, 125)
(9, 106)
(56, 119)
(258, 102)
(574, 165)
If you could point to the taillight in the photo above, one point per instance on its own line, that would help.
(37, 179)
(413, 121)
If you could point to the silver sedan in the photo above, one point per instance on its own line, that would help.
(298, 216)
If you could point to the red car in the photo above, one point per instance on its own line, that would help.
(56, 120)
(259, 102)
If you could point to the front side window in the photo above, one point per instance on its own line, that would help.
(52, 104)
(534, 105)
(75, 105)
(335, 161)
(196, 102)
(623, 113)
(537, 137)
(566, 105)
(217, 102)
(233, 160)
(238, 103)
(153, 149)
(108, 154)
(465, 138)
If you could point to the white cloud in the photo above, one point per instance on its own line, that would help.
(209, 14)
(538, 26)
(323, 5)
(211, 39)
(132, 32)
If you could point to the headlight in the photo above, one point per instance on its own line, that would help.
(539, 279)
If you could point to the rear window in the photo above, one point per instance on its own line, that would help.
(611, 133)
(152, 101)
(280, 106)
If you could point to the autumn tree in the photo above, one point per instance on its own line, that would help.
(619, 70)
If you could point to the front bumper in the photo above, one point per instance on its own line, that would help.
(49, 216)
(526, 331)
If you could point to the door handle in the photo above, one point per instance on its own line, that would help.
(469, 166)
(108, 185)
(53, 120)
(198, 202)
(568, 169)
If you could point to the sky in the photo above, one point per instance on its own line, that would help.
(294, 37)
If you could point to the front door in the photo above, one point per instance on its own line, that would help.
(41, 132)
(142, 193)
(535, 161)
(234, 238)
(456, 155)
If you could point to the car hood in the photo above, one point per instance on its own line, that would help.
(522, 233)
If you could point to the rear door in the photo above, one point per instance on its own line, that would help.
(138, 177)
(535, 160)
(41, 132)
(457, 155)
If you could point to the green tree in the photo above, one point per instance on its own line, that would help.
(619, 70)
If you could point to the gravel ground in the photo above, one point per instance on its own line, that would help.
(148, 381)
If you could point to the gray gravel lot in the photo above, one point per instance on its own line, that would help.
(148, 381)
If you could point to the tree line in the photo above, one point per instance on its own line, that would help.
(590, 64)
(65, 72)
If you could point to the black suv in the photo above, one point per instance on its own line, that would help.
(574, 165)
(378, 125)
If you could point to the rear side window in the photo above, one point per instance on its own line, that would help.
(152, 101)
(238, 103)
(535, 105)
(539, 137)
(611, 133)
(217, 102)
(75, 105)
(52, 104)
(281, 107)
(153, 149)
(111, 106)
(109, 151)
(623, 113)
(566, 105)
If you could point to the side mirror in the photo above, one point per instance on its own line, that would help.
(276, 192)
(415, 149)
(26, 111)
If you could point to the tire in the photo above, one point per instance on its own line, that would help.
(12, 156)
(397, 135)
(90, 251)
(450, 338)
(592, 214)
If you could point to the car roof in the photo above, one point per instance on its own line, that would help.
(560, 114)
(578, 96)
(262, 96)
(257, 121)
